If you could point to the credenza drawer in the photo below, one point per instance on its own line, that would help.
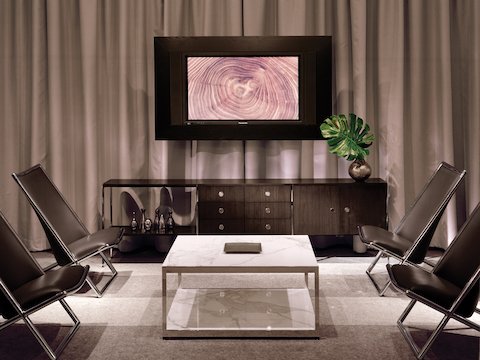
(220, 193)
(221, 210)
(267, 193)
(268, 226)
(267, 210)
(222, 226)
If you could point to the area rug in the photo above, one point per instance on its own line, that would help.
(355, 322)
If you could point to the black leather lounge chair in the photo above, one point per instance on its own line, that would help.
(25, 288)
(410, 241)
(69, 239)
(452, 287)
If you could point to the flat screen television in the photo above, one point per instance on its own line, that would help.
(242, 88)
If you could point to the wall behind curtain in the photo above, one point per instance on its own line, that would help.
(76, 94)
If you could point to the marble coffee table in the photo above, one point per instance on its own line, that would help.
(240, 295)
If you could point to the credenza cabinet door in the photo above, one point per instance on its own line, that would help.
(338, 209)
(363, 204)
(315, 209)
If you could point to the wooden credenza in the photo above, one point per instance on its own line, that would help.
(278, 206)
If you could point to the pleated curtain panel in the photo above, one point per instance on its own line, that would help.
(77, 96)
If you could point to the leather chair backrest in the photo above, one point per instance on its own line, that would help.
(17, 266)
(50, 206)
(428, 209)
(462, 259)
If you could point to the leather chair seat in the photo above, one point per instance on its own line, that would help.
(66, 279)
(90, 243)
(385, 239)
(34, 292)
(431, 287)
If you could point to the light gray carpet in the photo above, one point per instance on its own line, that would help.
(355, 322)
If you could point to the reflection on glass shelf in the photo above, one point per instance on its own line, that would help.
(241, 309)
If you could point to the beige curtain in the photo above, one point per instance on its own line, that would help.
(76, 94)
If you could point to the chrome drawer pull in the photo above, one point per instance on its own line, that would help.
(267, 193)
(268, 210)
(221, 227)
(347, 209)
(221, 194)
(221, 210)
(268, 227)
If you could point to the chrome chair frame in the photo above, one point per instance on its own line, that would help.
(428, 229)
(448, 313)
(50, 229)
(23, 314)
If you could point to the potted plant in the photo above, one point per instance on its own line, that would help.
(349, 137)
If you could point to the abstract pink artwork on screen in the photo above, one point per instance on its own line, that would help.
(243, 88)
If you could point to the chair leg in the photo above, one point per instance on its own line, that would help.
(403, 330)
(53, 354)
(110, 255)
(99, 292)
(432, 337)
(381, 290)
(374, 262)
(419, 353)
(73, 330)
(109, 263)
(92, 285)
(385, 288)
(9, 322)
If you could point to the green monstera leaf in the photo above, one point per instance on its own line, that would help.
(347, 137)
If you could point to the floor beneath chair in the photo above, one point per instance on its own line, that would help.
(125, 323)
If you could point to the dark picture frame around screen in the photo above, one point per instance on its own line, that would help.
(237, 54)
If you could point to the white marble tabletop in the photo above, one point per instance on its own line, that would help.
(206, 251)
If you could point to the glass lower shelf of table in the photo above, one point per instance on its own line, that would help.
(241, 312)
